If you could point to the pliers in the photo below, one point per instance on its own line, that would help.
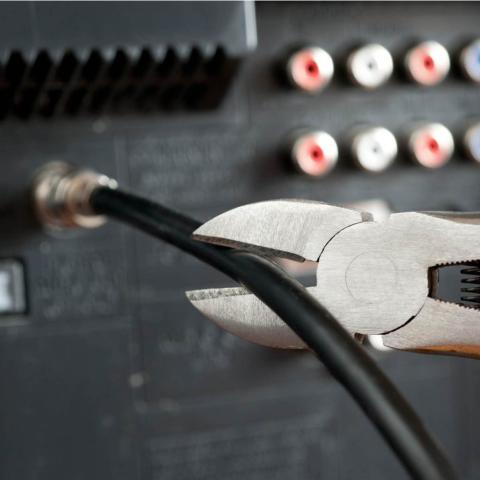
(375, 277)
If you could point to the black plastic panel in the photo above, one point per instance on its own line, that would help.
(112, 374)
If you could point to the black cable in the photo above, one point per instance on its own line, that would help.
(346, 360)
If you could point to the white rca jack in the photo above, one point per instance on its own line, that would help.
(373, 149)
(370, 66)
(314, 153)
(470, 61)
(471, 142)
(310, 69)
(431, 145)
(427, 63)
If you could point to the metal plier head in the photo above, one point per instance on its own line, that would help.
(374, 277)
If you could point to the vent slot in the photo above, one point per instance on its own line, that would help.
(112, 82)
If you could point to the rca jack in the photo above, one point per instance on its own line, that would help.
(431, 145)
(370, 66)
(314, 153)
(471, 142)
(373, 149)
(470, 61)
(427, 63)
(309, 69)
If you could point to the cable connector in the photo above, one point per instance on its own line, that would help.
(62, 195)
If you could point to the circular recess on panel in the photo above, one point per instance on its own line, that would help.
(427, 63)
(431, 145)
(314, 153)
(310, 69)
(373, 149)
(470, 61)
(471, 142)
(370, 66)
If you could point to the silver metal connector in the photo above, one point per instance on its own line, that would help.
(61, 194)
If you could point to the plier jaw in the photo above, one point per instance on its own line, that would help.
(242, 314)
(295, 229)
(374, 277)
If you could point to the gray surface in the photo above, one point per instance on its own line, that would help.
(108, 304)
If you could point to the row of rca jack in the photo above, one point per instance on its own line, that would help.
(374, 148)
(370, 66)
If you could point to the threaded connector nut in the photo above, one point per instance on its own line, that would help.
(62, 193)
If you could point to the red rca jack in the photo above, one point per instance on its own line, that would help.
(373, 149)
(309, 69)
(470, 61)
(431, 145)
(427, 63)
(314, 153)
(370, 66)
(471, 142)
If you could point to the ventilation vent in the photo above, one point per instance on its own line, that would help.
(113, 82)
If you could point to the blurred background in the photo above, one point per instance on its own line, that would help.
(106, 371)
